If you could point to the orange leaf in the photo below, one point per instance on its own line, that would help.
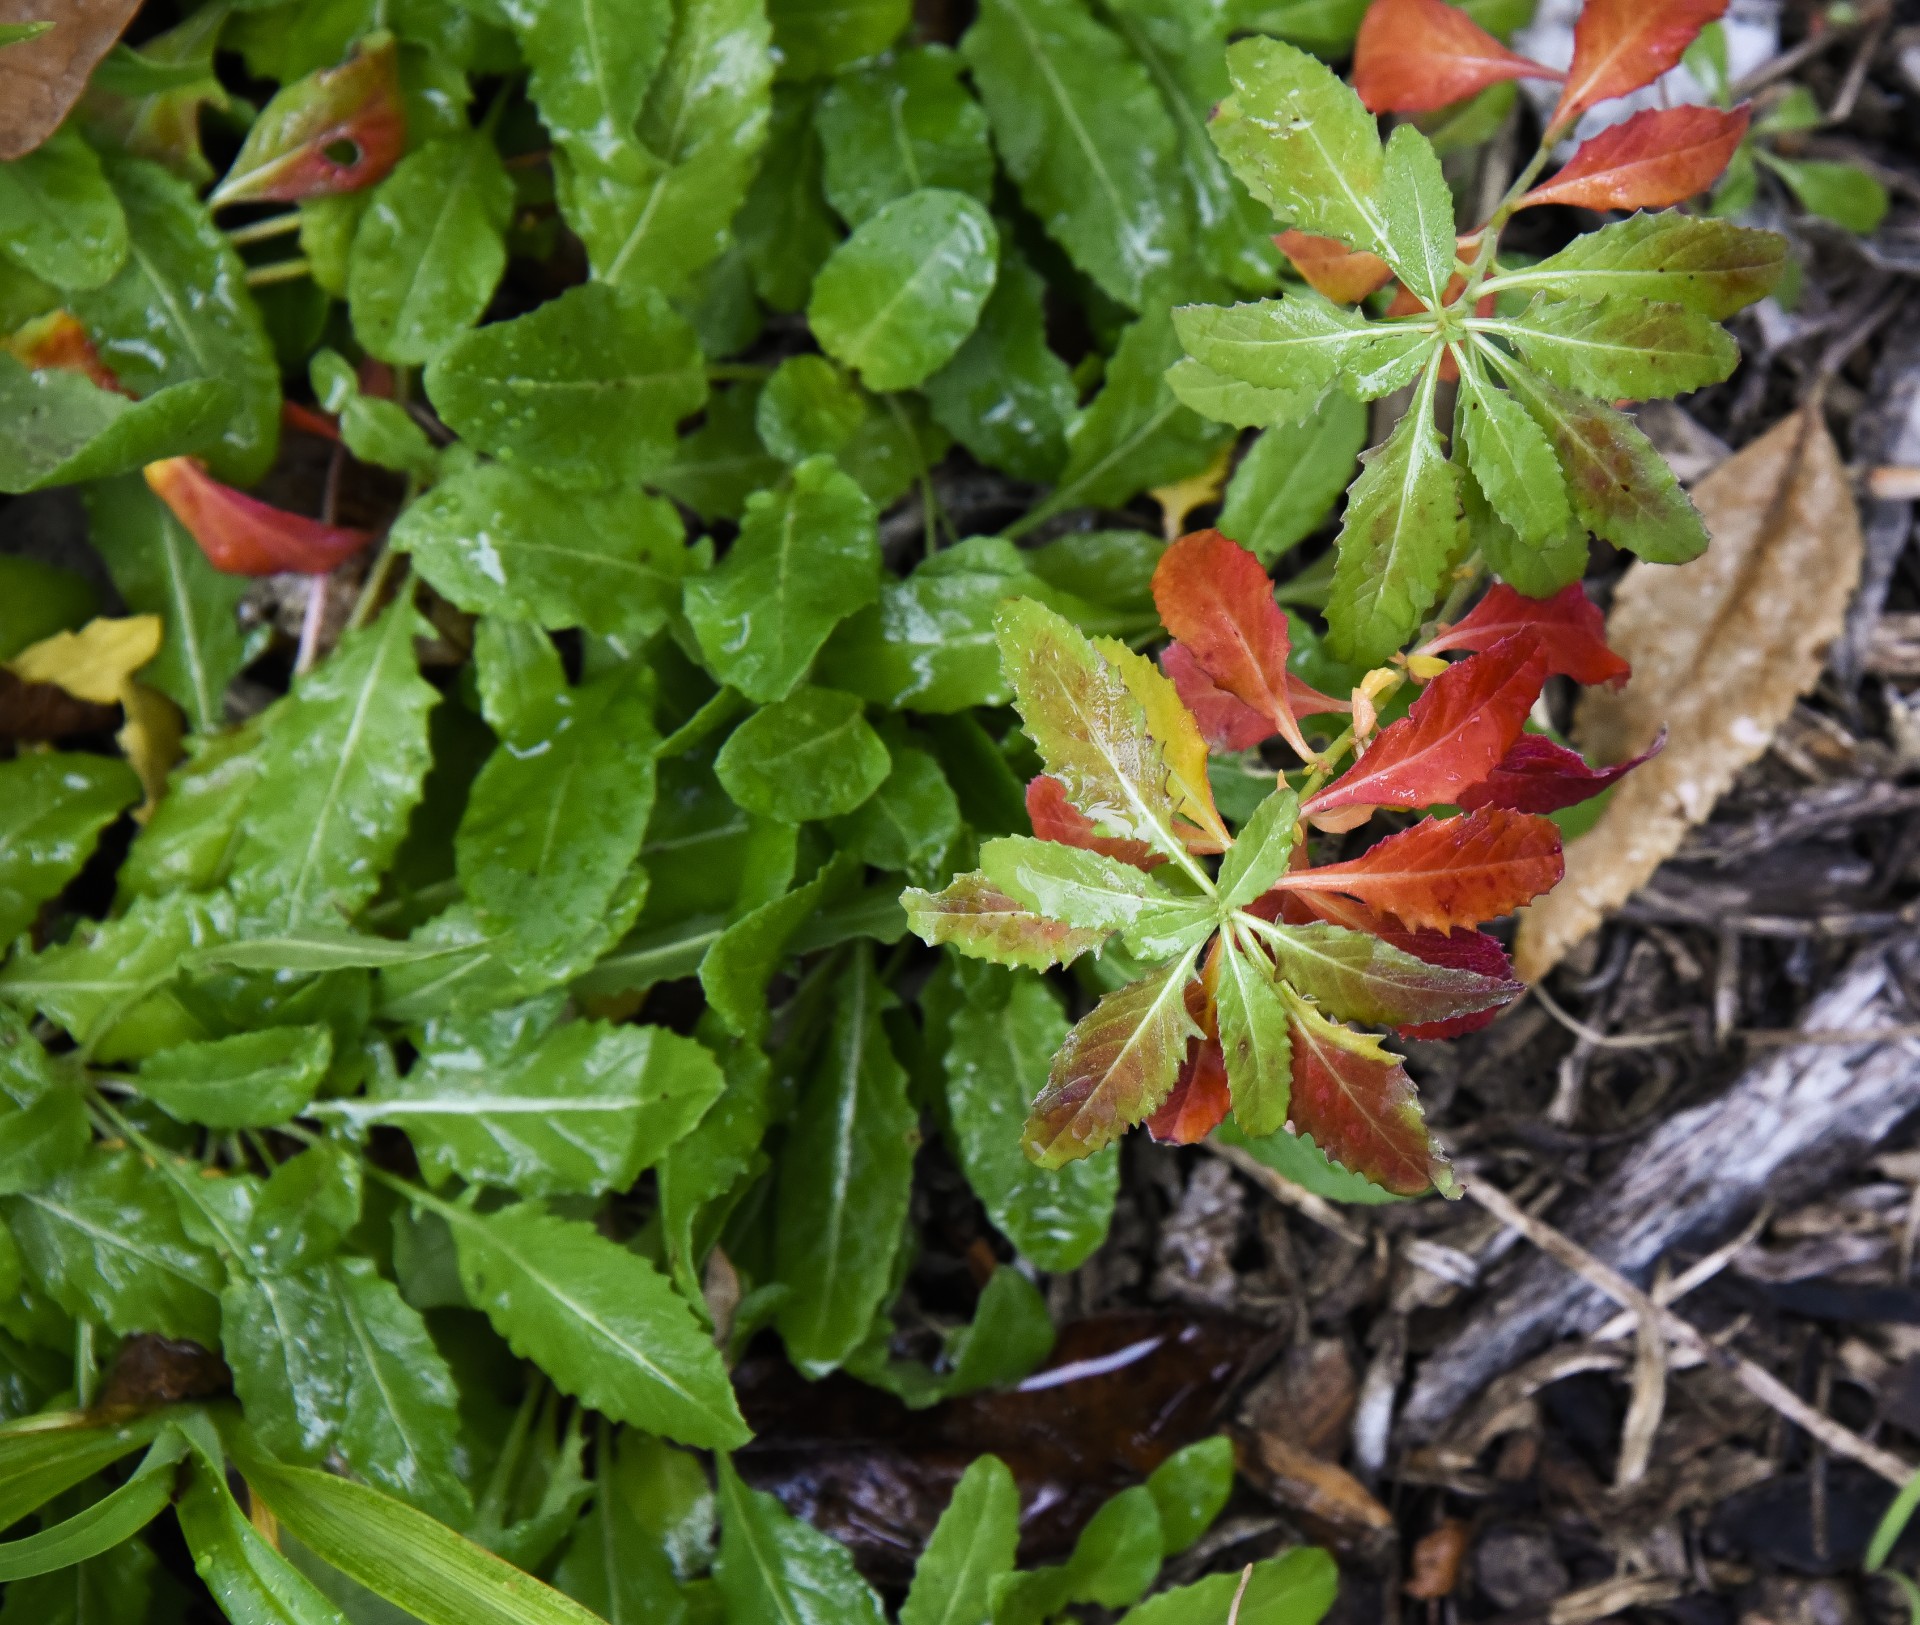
(1573, 632)
(1660, 156)
(337, 130)
(244, 536)
(1332, 269)
(1358, 1103)
(58, 340)
(1447, 872)
(1620, 45)
(1415, 55)
(1055, 818)
(1215, 598)
(1201, 1096)
(1454, 736)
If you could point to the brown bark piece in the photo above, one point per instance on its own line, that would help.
(41, 78)
(1721, 650)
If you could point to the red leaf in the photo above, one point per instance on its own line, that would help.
(58, 340)
(305, 420)
(1332, 269)
(1215, 598)
(1358, 1103)
(1538, 776)
(1225, 723)
(1454, 736)
(1447, 872)
(336, 130)
(242, 535)
(1199, 1102)
(1660, 156)
(1620, 45)
(1055, 818)
(1573, 632)
(1415, 55)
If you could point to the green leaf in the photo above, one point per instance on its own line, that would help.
(616, 1562)
(1005, 395)
(52, 1453)
(1080, 127)
(893, 126)
(345, 752)
(188, 840)
(583, 1111)
(1420, 231)
(59, 219)
(897, 299)
(430, 248)
(1620, 487)
(591, 65)
(310, 950)
(784, 227)
(1402, 530)
(376, 431)
(1360, 978)
(517, 672)
(249, 1579)
(1135, 433)
(1220, 399)
(117, 1516)
(659, 209)
(64, 428)
(775, 1570)
(52, 810)
(1010, 1336)
(105, 1241)
(1297, 1158)
(972, 1546)
(1303, 144)
(812, 755)
(843, 1181)
(1296, 1588)
(1710, 266)
(806, 558)
(714, 469)
(909, 823)
(1190, 1487)
(812, 37)
(41, 599)
(584, 392)
(1292, 347)
(116, 1585)
(1841, 192)
(809, 408)
(305, 1209)
(1540, 571)
(1254, 1039)
(1258, 857)
(735, 970)
(1511, 459)
(412, 1560)
(497, 542)
(20, 33)
(1115, 1068)
(251, 1080)
(160, 570)
(1289, 479)
(43, 1115)
(555, 819)
(605, 1325)
(1068, 883)
(1112, 1563)
(983, 922)
(179, 310)
(1001, 1038)
(1620, 347)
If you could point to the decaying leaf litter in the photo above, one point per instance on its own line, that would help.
(1587, 1475)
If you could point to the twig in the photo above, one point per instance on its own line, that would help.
(1601, 1040)
(310, 624)
(259, 231)
(1788, 1038)
(262, 276)
(1696, 1274)
(1239, 1591)
(1787, 61)
(1288, 1194)
(1758, 1381)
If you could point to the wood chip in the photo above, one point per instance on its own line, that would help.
(1330, 1502)
(1722, 648)
(41, 78)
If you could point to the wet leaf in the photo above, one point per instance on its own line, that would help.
(1420, 232)
(1054, 818)
(972, 1547)
(1512, 460)
(63, 224)
(248, 1080)
(591, 66)
(1572, 632)
(1621, 348)
(983, 922)
(67, 429)
(1710, 266)
(1721, 651)
(1620, 45)
(812, 755)
(1200, 1098)
(53, 807)
(1355, 1099)
(1253, 1041)
(772, 1566)
(243, 536)
(1660, 156)
(1539, 776)
(43, 1115)
(1412, 56)
(895, 125)
(1331, 268)
(1358, 976)
(1288, 481)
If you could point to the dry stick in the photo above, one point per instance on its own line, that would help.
(1758, 1381)
(1233, 1613)
(1598, 1039)
(1284, 1191)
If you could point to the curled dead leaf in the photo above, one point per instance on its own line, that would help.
(42, 77)
(1721, 649)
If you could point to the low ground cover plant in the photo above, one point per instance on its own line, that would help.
(591, 513)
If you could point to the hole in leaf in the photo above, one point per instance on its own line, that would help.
(345, 152)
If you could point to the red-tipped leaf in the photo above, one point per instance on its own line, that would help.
(337, 130)
(1332, 269)
(1225, 723)
(58, 340)
(1054, 818)
(1358, 1103)
(1200, 1098)
(1660, 156)
(1620, 45)
(1447, 872)
(1455, 735)
(244, 536)
(1573, 632)
(1415, 55)
(1538, 776)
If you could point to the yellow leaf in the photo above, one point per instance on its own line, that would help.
(1722, 648)
(94, 663)
(150, 736)
(1177, 735)
(1195, 491)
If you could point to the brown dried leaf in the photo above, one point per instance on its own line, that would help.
(1721, 649)
(41, 78)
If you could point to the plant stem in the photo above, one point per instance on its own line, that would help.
(259, 231)
(168, 1164)
(262, 276)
